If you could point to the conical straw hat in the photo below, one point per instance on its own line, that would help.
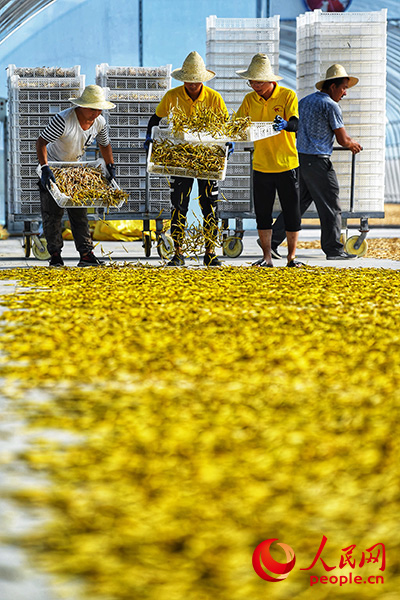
(333, 72)
(259, 69)
(92, 97)
(193, 70)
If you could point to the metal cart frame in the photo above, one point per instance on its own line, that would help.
(232, 241)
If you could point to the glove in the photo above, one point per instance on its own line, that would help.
(111, 170)
(146, 144)
(47, 176)
(279, 123)
(231, 148)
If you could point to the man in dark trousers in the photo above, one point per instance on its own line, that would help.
(320, 122)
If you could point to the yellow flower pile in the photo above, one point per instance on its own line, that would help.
(213, 409)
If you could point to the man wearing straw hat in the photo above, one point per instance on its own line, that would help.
(320, 123)
(65, 139)
(275, 160)
(187, 96)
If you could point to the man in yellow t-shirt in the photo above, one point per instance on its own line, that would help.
(275, 160)
(187, 96)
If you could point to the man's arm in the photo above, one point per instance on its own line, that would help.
(41, 150)
(106, 153)
(343, 139)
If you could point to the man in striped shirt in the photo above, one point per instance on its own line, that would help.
(65, 139)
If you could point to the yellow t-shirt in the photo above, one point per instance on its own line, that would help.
(277, 153)
(179, 97)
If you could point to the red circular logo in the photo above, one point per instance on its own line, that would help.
(328, 5)
(265, 566)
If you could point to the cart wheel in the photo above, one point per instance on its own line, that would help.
(41, 255)
(147, 244)
(165, 246)
(27, 246)
(350, 243)
(232, 247)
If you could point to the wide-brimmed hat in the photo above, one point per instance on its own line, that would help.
(334, 72)
(92, 97)
(259, 69)
(193, 70)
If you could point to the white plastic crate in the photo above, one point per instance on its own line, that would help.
(126, 120)
(126, 83)
(129, 158)
(231, 34)
(20, 95)
(133, 96)
(44, 71)
(213, 22)
(39, 83)
(105, 70)
(65, 201)
(238, 61)
(157, 169)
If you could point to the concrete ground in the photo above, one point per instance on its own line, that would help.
(12, 253)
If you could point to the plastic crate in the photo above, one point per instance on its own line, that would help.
(230, 205)
(53, 83)
(130, 170)
(239, 48)
(139, 183)
(238, 61)
(105, 70)
(232, 194)
(119, 83)
(30, 95)
(44, 71)
(133, 96)
(65, 201)
(130, 158)
(236, 183)
(162, 135)
(221, 34)
(45, 108)
(126, 120)
(213, 22)
(127, 133)
(239, 170)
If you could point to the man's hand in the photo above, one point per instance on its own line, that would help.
(111, 171)
(279, 123)
(47, 176)
(231, 148)
(355, 147)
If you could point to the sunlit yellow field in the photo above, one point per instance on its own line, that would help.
(215, 409)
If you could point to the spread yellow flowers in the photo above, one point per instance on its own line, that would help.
(213, 409)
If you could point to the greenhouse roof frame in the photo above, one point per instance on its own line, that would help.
(14, 13)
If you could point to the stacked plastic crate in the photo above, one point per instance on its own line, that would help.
(358, 42)
(136, 92)
(231, 44)
(34, 96)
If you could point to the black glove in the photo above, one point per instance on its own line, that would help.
(111, 170)
(146, 143)
(231, 148)
(47, 176)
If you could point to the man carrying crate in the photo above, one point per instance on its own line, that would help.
(65, 139)
(191, 94)
(275, 161)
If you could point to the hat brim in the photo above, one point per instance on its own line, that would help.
(352, 81)
(95, 105)
(182, 75)
(244, 74)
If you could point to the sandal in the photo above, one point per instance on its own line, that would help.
(295, 263)
(261, 262)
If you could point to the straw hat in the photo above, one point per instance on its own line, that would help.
(259, 69)
(92, 97)
(333, 72)
(193, 70)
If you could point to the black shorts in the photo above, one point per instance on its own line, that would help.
(265, 186)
